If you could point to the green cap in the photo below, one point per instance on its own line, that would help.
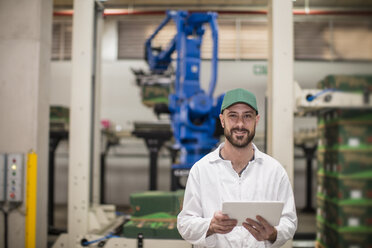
(239, 96)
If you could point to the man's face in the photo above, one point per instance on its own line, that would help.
(239, 122)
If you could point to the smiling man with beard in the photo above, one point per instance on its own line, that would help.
(236, 171)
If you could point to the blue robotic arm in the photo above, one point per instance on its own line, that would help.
(157, 59)
(193, 111)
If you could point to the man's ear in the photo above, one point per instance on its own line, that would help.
(222, 121)
(257, 118)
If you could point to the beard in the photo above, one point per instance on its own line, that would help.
(240, 141)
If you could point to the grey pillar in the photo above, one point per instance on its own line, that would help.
(25, 48)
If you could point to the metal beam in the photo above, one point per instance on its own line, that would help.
(280, 85)
(311, 100)
(97, 149)
(80, 141)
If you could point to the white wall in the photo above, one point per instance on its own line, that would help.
(121, 99)
(121, 103)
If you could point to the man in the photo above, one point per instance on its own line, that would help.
(236, 171)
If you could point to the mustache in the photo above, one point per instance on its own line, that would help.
(240, 130)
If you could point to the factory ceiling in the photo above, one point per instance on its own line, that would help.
(221, 4)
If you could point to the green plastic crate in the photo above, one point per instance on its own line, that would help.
(348, 213)
(133, 228)
(320, 205)
(352, 186)
(59, 113)
(345, 237)
(59, 118)
(156, 226)
(344, 160)
(320, 227)
(348, 133)
(346, 128)
(320, 158)
(347, 82)
(168, 230)
(321, 183)
(155, 94)
(339, 115)
(149, 202)
(353, 134)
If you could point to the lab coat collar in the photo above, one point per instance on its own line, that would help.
(215, 155)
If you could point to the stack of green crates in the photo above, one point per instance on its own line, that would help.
(158, 225)
(153, 94)
(344, 195)
(59, 118)
(150, 202)
(154, 214)
(347, 82)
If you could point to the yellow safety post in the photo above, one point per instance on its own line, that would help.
(31, 193)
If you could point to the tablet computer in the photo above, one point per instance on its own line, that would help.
(269, 210)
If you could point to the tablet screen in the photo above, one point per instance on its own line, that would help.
(269, 210)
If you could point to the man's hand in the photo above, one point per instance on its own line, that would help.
(221, 223)
(261, 229)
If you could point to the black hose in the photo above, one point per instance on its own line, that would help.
(5, 228)
(6, 215)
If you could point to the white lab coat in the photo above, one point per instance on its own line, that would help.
(213, 181)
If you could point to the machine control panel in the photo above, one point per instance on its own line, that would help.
(14, 184)
(2, 177)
